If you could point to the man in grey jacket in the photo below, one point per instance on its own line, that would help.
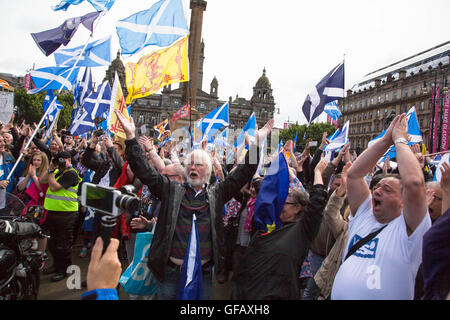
(179, 202)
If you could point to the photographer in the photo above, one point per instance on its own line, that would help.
(61, 201)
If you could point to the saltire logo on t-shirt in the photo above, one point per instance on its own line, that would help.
(366, 251)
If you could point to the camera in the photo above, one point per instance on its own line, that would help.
(58, 162)
(110, 201)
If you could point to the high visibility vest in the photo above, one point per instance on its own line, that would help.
(63, 199)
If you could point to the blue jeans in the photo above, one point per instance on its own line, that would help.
(311, 290)
(167, 289)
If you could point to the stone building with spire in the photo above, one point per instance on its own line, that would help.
(155, 108)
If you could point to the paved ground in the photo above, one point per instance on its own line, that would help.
(60, 290)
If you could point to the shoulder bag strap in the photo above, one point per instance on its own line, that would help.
(362, 242)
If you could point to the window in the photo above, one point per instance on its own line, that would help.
(421, 121)
(378, 113)
(371, 101)
(351, 105)
(394, 95)
(422, 105)
(141, 118)
(365, 116)
(385, 111)
(386, 97)
(370, 115)
(414, 91)
(406, 93)
(379, 99)
(359, 117)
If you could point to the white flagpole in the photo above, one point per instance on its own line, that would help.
(54, 99)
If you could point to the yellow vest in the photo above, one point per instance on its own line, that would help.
(62, 199)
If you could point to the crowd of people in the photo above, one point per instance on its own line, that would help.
(351, 228)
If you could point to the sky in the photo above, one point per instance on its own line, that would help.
(297, 42)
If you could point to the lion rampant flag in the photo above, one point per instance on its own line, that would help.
(117, 102)
(157, 69)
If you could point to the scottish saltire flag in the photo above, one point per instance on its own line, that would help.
(438, 174)
(437, 159)
(330, 88)
(339, 138)
(161, 25)
(96, 54)
(51, 107)
(102, 5)
(50, 40)
(98, 103)
(249, 128)
(82, 124)
(414, 134)
(332, 109)
(99, 5)
(53, 78)
(272, 196)
(214, 121)
(190, 283)
(84, 87)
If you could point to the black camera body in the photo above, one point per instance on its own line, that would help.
(59, 162)
(110, 201)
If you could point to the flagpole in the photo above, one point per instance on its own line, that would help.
(54, 99)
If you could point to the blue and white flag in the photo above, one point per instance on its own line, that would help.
(214, 121)
(50, 40)
(53, 78)
(413, 129)
(249, 128)
(338, 139)
(272, 196)
(295, 142)
(414, 134)
(161, 25)
(82, 124)
(98, 103)
(51, 107)
(190, 283)
(99, 5)
(332, 109)
(84, 88)
(330, 88)
(96, 54)
(438, 174)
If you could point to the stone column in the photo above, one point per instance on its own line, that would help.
(197, 7)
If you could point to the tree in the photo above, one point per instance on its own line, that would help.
(29, 107)
(314, 132)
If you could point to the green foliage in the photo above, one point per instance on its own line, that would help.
(314, 132)
(30, 107)
(66, 99)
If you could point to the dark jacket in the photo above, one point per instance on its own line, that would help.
(171, 194)
(272, 262)
(91, 161)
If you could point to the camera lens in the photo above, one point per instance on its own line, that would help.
(128, 203)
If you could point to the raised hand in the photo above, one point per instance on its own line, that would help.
(262, 133)
(127, 125)
(342, 189)
(400, 129)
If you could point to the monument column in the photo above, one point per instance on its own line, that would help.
(197, 7)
